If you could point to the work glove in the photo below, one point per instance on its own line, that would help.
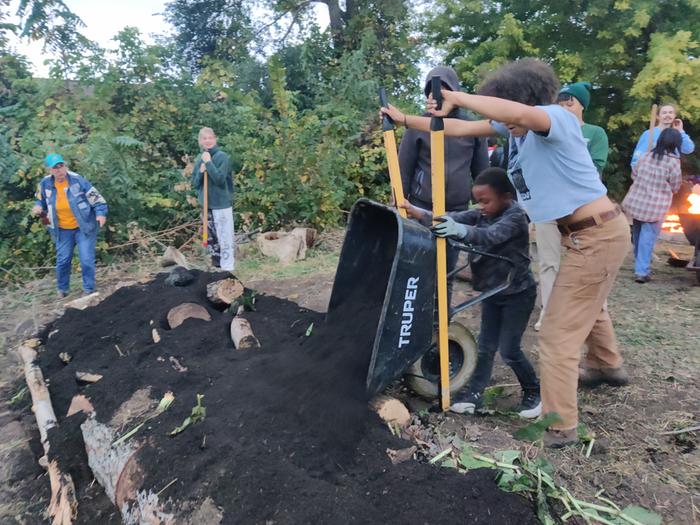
(447, 227)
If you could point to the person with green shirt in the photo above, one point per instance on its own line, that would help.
(217, 165)
(575, 98)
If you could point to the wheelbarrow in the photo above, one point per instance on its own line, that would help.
(691, 227)
(387, 263)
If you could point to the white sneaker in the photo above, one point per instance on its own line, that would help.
(466, 403)
(531, 405)
(531, 413)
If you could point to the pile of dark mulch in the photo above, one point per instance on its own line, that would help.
(288, 436)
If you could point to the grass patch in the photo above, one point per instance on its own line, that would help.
(254, 265)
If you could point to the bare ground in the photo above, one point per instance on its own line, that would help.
(632, 461)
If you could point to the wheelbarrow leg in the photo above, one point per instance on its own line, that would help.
(437, 167)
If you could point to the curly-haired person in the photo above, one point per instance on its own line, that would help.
(556, 179)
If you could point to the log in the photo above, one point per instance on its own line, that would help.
(242, 334)
(88, 377)
(178, 314)
(173, 257)
(115, 464)
(391, 410)
(63, 507)
(81, 303)
(225, 291)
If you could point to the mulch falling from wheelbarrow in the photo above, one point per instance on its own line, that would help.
(288, 436)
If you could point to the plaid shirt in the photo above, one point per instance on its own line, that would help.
(655, 182)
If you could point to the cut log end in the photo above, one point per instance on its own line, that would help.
(225, 291)
(177, 315)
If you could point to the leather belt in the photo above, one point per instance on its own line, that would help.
(589, 222)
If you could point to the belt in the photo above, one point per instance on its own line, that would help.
(589, 222)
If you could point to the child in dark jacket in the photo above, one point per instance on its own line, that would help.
(499, 226)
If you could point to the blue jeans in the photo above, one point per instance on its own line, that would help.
(67, 239)
(503, 322)
(644, 236)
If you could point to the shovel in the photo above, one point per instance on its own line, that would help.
(205, 209)
(437, 168)
(652, 124)
(391, 156)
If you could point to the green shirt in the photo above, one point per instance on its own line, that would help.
(219, 180)
(597, 142)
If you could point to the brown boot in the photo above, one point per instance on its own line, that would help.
(560, 438)
(593, 377)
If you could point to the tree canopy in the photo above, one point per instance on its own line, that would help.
(294, 103)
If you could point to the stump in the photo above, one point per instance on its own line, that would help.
(391, 410)
(178, 314)
(242, 334)
(225, 291)
(286, 247)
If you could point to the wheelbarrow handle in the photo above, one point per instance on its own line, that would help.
(387, 121)
(436, 123)
(487, 293)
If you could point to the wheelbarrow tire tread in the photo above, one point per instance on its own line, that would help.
(422, 386)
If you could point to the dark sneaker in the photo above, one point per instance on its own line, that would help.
(466, 403)
(560, 438)
(642, 278)
(531, 405)
(593, 377)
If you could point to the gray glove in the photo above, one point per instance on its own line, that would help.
(447, 227)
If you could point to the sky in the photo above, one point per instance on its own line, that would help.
(104, 19)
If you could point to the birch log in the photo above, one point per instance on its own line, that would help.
(242, 334)
(63, 507)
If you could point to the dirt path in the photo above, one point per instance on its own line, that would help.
(631, 461)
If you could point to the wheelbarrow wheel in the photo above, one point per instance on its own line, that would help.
(423, 376)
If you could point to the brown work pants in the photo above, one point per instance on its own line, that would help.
(576, 315)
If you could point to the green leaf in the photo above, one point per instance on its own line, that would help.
(508, 456)
(492, 393)
(535, 431)
(186, 423)
(469, 462)
(642, 515)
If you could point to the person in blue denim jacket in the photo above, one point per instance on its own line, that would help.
(74, 212)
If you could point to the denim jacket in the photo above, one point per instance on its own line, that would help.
(85, 202)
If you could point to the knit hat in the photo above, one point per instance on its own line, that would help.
(580, 91)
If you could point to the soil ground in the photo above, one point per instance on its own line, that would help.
(631, 461)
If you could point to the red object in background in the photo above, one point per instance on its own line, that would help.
(44, 218)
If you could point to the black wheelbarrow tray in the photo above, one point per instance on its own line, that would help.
(387, 264)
